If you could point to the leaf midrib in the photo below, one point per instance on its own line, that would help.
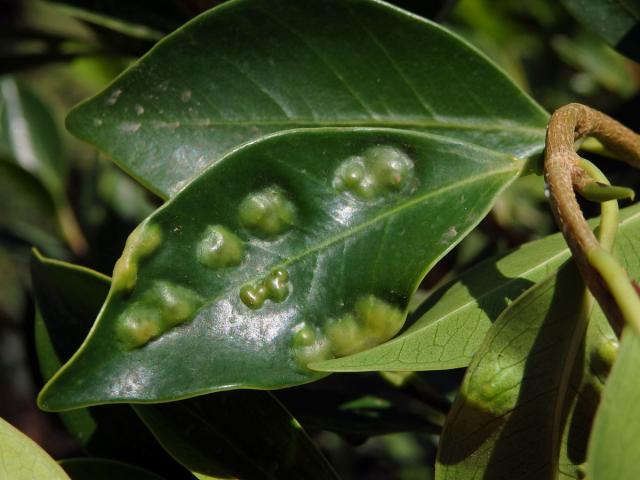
(353, 231)
(366, 123)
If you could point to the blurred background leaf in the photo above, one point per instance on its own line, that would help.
(617, 22)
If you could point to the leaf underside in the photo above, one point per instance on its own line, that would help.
(449, 327)
(614, 446)
(531, 392)
(22, 459)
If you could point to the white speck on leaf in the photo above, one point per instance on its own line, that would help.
(113, 98)
(130, 127)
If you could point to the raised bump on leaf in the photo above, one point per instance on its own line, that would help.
(267, 213)
(220, 248)
(138, 325)
(157, 311)
(310, 345)
(277, 284)
(274, 287)
(141, 243)
(603, 357)
(378, 171)
(372, 322)
(177, 304)
(490, 391)
(345, 335)
(379, 319)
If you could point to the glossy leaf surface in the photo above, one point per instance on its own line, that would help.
(68, 298)
(102, 469)
(614, 448)
(252, 67)
(451, 324)
(22, 459)
(270, 254)
(616, 21)
(230, 443)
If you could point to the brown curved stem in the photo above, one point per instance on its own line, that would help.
(563, 173)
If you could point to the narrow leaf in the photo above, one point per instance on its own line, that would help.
(614, 448)
(29, 134)
(252, 67)
(300, 247)
(617, 22)
(28, 210)
(22, 459)
(135, 19)
(448, 328)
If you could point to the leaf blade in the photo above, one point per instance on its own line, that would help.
(226, 449)
(461, 312)
(500, 423)
(300, 76)
(552, 378)
(618, 23)
(335, 252)
(23, 459)
(613, 447)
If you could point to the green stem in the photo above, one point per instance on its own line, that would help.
(617, 280)
(609, 213)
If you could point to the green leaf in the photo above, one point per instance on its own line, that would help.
(616, 21)
(614, 448)
(237, 423)
(103, 469)
(135, 19)
(299, 247)
(530, 393)
(587, 381)
(253, 67)
(29, 134)
(22, 459)
(606, 67)
(68, 299)
(507, 418)
(28, 210)
(447, 330)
